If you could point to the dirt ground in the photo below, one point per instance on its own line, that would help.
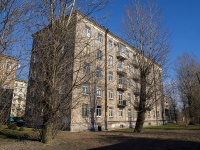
(116, 140)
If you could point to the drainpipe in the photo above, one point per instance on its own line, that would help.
(106, 105)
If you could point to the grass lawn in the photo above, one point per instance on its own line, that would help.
(174, 127)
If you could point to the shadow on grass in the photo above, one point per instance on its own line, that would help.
(17, 135)
(135, 143)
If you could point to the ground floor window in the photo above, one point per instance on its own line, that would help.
(110, 112)
(98, 111)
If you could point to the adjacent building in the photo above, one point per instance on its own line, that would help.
(109, 95)
(8, 66)
(19, 98)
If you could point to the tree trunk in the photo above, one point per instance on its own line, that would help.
(142, 110)
(140, 121)
(46, 136)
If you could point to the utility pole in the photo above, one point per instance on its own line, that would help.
(106, 105)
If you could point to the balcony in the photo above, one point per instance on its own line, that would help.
(122, 103)
(122, 86)
(121, 55)
(137, 91)
(121, 70)
(136, 76)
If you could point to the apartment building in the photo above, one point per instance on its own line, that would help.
(8, 66)
(108, 93)
(19, 98)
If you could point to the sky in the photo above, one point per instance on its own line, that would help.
(182, 17)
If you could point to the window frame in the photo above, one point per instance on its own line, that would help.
(98, 111)
(84, 110)
(110, 94)
(100, 38)
(87, 28)
(110, 110)
(110, 60)
(85, 89)
(120, 112)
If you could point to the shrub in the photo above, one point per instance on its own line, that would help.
(12, 126)
(21, 129)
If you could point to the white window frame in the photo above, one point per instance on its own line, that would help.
(99, 55)
(87, 31)
(110, 112)
(120, 112)
(149, 114)
(128, 82)
(85, 89)
(99, 72)
(98, 111)
(110, 60)
(99, 92)
(100, 37)
(110, 44)
(84, 110)
(110, 76)
(110, 94)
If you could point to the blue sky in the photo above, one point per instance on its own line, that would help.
(182, 18)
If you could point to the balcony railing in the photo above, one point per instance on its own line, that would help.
(121, 55)
(122, 103)
(122, 86)
(121, 70)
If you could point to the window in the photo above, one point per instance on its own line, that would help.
(85, 89)
(110, 93)
(154, 114)
(99, 72)
(110, 60)
(148, 114)
(6, 87)
(129, 113)
(119, 64)
(8, 77)
(158, 114)
(86, 68)
(128, 82)
(120, 94)
(98, 111)
(127, 53)
(9, 65)
(110, 44)
(129, 96)
(20, 90)
(35, 58)
(120, 112)
(99, 55)
(100, 38)
(134, 59)
(86, 50)
(84, 109)
(128, 68)
(110, 76)
(120, 79)
(87, 31)
(136, 101)
(61, 89)
(16, 84)
(99, 92)
(110, 112)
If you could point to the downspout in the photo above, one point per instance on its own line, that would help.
(106, 105)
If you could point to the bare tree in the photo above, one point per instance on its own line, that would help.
(56, 68)
(187, 67)
(146, 31)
